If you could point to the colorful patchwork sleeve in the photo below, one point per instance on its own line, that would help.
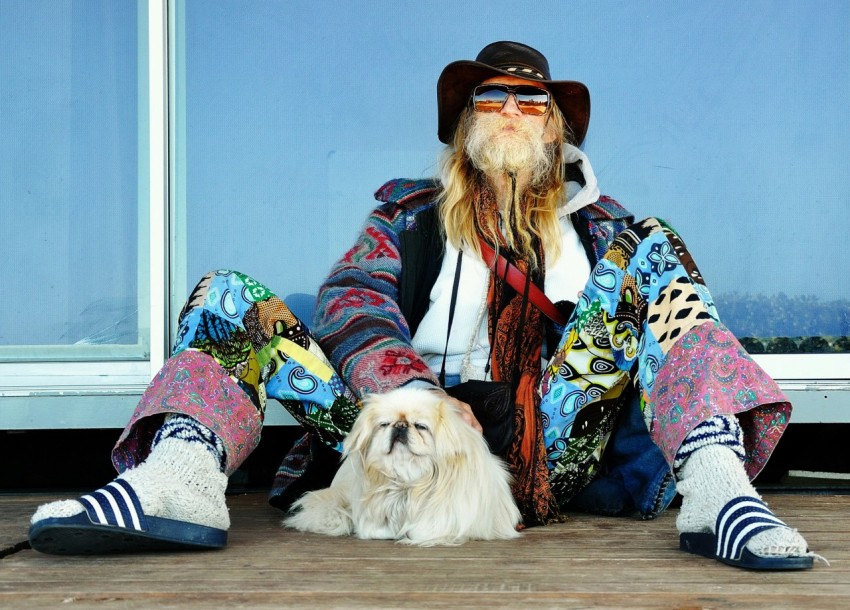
(358, 322)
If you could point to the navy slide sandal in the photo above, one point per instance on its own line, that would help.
(114, 522)
(738, 521)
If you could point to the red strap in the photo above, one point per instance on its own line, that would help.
(516, 279)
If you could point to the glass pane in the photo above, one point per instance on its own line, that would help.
(70, 176)
(728, 119)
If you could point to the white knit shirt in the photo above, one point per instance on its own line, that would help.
(565, 277)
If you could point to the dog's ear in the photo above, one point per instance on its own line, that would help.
(357, 440)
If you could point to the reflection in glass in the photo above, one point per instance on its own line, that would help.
(70, 175)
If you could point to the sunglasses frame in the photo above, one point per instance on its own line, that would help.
(510, 90)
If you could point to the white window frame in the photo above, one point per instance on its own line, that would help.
(37, 394)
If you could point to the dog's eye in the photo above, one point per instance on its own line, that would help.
(383, 424)
(420, 426)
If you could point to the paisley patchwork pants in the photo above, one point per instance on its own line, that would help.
(645, 318)
(646, 322)
(238, 344)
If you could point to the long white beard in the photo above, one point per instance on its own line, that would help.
(494, 150)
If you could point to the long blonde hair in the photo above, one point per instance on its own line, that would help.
(535, 215)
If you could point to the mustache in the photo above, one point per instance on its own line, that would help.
(494, 125)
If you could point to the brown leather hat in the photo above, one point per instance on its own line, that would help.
(459, 78)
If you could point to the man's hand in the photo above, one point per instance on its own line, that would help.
(465, 412)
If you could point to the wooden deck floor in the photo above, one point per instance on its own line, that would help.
(587, 562)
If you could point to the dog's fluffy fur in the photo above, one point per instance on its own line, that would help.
(415, 472)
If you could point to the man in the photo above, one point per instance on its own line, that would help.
(641, 382)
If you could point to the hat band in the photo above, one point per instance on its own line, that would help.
(523, 70)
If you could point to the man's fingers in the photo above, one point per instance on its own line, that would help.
(464, 409)
(467, 415)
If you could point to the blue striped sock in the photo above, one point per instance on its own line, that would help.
(183, 427)
(718, 430)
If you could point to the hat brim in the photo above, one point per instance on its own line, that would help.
(459, 78)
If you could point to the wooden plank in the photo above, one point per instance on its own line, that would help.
(653, 600)
(590, 561)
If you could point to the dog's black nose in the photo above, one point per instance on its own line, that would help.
(400, 429)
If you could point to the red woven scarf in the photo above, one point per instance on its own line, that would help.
(516, 357)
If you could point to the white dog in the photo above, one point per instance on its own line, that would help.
(415, 472)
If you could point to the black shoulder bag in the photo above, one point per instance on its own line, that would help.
(492, 402)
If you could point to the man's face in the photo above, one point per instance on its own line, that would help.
(509, 140)
(511, 110)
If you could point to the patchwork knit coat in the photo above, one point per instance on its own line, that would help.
(376, 294)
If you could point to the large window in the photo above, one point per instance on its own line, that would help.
(70, 175)
(146, 143)
(80, 331)
(729, 120)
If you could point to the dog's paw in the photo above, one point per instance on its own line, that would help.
(321, 512)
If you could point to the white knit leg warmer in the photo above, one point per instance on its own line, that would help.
(712, 474)
(181, 479)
